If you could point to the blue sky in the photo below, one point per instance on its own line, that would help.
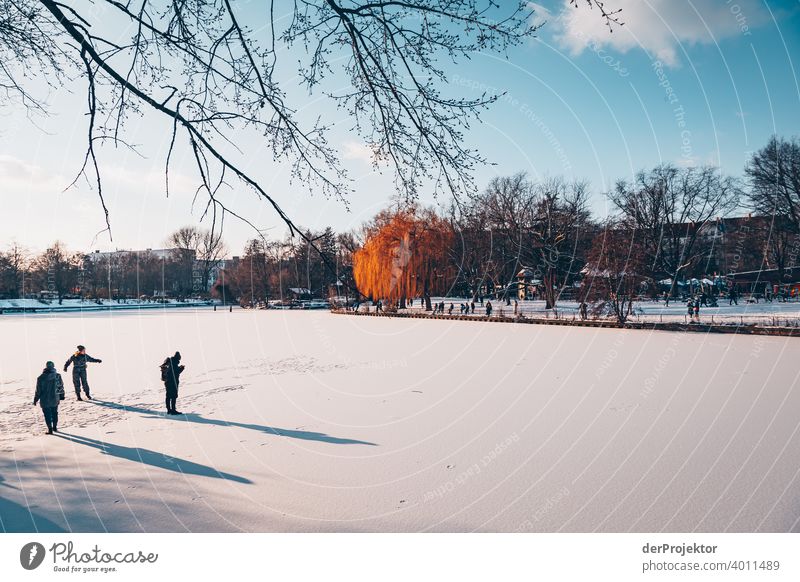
(700, 82)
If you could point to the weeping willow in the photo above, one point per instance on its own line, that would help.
(400, 255)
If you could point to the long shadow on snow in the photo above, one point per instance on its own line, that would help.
(154, 459)
(196, 418)
(16, 518)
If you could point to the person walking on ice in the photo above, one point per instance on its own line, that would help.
(79, 360)
(49, 393)
(171, 371)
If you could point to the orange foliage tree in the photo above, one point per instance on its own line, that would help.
(404, 256)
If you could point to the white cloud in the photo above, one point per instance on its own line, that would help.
(147, 180)
(353, 150)
(660, 27)
(18, 175)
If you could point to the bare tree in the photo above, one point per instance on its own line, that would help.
(773, 174)
(56, 270)
(503, 213)
(668, 208)
(198, 253)
(13, 270)
(212, 251)
(560, 223)
(186, 242)
(614, 271)
(201, 67)
(541, 226)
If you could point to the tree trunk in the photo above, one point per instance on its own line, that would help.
(549, 291)
(426, 293)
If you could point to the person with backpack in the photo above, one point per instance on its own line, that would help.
(79, 360)
(171, 371)
(49, 393)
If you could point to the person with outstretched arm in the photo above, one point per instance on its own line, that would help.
(49, 393)
(171, 371)
(79, 360)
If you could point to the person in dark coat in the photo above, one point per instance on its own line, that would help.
(732, 296)
(488, 309)
(49, 393)
(79, 360)
(171, 371)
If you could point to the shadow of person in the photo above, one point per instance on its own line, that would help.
(153, 458)
(16, 518)
(198, 419)
(4, 484)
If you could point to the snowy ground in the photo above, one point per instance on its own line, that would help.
(309, 421)
(762, 313)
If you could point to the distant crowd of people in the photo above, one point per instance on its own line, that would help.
(50, 386)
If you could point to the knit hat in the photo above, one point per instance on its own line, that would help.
(49, 365)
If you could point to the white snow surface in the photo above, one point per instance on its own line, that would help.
(310, 421)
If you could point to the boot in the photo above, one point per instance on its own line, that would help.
(49, 430)
(88, 397)
(79, 397)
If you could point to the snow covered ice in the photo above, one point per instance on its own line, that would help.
(309, 421)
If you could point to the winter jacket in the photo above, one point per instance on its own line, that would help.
(80, 361)
(49, 388)
(171, 372)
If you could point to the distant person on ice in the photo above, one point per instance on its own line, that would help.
(49, 393)
(171, 371)
(79, 360)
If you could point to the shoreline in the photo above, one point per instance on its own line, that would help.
(745, 329)
(50, 309)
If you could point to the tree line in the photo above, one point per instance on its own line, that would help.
(184, 269)
(668, 224)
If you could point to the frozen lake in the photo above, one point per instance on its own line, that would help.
(308, 421)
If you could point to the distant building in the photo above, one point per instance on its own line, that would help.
(300, 293)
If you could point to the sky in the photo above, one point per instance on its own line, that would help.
(689, 82)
